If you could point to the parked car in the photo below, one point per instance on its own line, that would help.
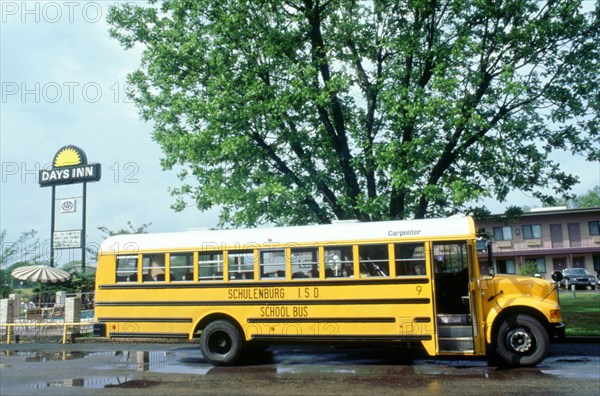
(577, 277)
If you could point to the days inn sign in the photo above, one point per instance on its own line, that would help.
(69, 166)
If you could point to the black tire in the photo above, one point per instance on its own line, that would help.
(221, 343)
(521, 341)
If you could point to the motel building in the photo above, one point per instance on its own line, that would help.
(554, 238)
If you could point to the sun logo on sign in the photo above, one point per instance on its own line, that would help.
(68, 156)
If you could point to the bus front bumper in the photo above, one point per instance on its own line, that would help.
(557, 330)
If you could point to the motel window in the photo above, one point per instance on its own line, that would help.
(594, 227)
(374, 260)
(533, 231)
(540, 264)
(181, 267)
(339, 262)
(506, 266)
(127, 268)
(241, 264)
(210, 265)
(153, 267)
(410, 259)
(272, 264)
(305, 263)
(503, 233)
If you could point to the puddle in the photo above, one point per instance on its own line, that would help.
(92, 382)
(573, 367)
(46, 356)
(135, 384)
(313, 369)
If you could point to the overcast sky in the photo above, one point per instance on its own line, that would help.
(63, 83)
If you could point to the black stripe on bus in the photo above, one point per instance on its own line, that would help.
(266, 283)
(354, 338)
(321, 320)
(171, 303)
(147, 320)
(422, 320)
(149, 335)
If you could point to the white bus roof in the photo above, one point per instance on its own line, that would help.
(452, 228)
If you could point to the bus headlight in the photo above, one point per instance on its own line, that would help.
(555, 314)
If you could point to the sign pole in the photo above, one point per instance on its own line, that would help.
(83, 227)
(52, 216)
(69, 166)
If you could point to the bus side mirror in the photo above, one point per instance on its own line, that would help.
(557, 276)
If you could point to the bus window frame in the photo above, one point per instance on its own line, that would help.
(147, 276)
(386, 250)
(170, 272)
(328, 265)
(421, 260)
(241, 253)
(296, 267)
(221, 261)
(128, 278)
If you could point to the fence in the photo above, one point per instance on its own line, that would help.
(66, 316)
(44, 333)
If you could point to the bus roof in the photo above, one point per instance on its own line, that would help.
(452, 227)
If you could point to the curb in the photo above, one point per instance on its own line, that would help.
(107, 340)
(578, 340)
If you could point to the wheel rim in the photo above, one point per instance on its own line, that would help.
(220, 343)
(520, 340)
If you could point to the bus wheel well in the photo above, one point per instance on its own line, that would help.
(213, 317)
(523, 310)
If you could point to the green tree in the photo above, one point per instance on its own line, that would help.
(130, 229)
(528, 269)
(306, 111)
(590, 199)
(24, 251)
(92, 251)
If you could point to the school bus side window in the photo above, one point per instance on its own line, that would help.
(153, 267)
(241, 264)
(410, 259)
(374, 260)
(127, 268)
(181, 267)
(339, 262)
(272, 264)
(305, 263)
(210, 266)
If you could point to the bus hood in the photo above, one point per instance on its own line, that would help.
(507, 286)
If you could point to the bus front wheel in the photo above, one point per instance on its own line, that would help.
(221, 343)
(522, 341)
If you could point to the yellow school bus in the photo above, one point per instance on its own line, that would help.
(413, 281)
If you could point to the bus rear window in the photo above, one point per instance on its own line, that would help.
(126, 269)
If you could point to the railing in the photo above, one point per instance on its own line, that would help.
(65, 326)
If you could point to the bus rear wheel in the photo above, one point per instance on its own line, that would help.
(221, 343)
(522, 341)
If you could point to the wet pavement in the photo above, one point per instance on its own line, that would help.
(154, 369)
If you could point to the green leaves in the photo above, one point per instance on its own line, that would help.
(299, 112)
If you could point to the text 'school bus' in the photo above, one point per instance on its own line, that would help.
(411, 281)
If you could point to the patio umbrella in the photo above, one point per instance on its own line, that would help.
(42, 274)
